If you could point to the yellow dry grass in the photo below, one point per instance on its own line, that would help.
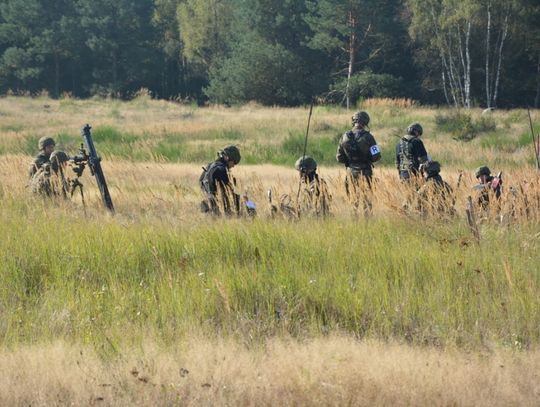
(170, 192)
(332, 371)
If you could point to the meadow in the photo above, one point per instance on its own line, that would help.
(160, 303)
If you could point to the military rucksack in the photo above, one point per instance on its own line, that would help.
(357, 146)
(406, 157)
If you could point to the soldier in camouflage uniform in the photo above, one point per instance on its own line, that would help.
(411, 153)
(46, 146)
(315, 190)
(358, 150)
(488, 187)
(436, 194)
(218, 185)
(49, 179)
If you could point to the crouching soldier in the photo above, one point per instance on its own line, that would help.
(46, 147)
(217, 183)
(49, 180)
(488, 188)
(435, 195)
(47, 170)
(315, 192)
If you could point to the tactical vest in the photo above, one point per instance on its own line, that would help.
(206, 181)
(357, 149)
(406, 158)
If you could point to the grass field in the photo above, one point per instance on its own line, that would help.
(394, 309)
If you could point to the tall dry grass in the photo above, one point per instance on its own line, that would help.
(336, 371)
(171, 191)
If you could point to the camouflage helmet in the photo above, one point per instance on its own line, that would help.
(431, 167)
(360, 117)
(57, 158)
(415, 129)
(306, 164)
(483, 170)
(45, 141)
(231, 153)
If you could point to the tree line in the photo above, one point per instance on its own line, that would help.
(276, 52)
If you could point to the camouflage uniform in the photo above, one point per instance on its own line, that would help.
(436, 194)
(315, 190)
(40, 160)
(411, 153)
(49, 179)
(358, 150)
(491, 187)
(217, 184)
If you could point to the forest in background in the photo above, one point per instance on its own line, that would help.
(483, 53)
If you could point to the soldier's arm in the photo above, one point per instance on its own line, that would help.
(217, 176)
(374, 149)
(398, 156)
(36, 165)
(341, 156)
(421, 152)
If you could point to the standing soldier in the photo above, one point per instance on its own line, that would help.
(316, 193)
(411, 153)
(218, 185)
(46, 146)
(488, 186)
(358, 150)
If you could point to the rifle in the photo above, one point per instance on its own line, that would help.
(94, 163)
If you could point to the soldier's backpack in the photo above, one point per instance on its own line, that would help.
(358, 149)
(205, 180)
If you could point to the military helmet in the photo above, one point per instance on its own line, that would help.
(45, 141)
(483, 170)
(57, 158)
(232, 153)
(432, 167)
(306, 164)
(415, 129)
(360, 117)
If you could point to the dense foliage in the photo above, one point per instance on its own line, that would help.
(473, 53)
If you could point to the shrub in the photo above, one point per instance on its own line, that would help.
(462, 126)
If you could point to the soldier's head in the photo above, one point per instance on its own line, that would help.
(415, 130)
(231, 155)
(58, 159)
(360, 119)
(430, 168)
(46, 144)
(482, 173)
(306, 165)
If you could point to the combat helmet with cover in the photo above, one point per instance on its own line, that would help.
(415, 129)
(483, 170)
(230, 153)
(361, 118)
(431, 167)
(45, 141)
(306, 165)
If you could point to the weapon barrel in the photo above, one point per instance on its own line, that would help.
(94, 161)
